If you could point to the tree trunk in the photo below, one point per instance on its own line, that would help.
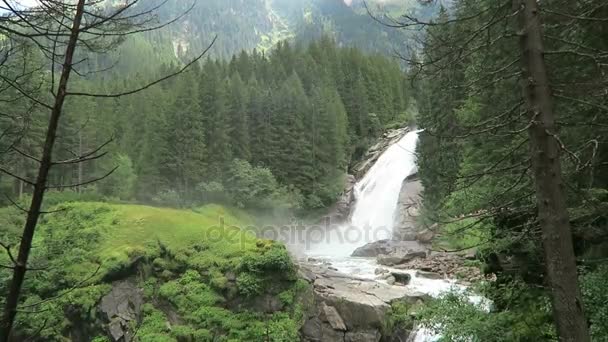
(545, 152)
(20, 268)
(80, 165)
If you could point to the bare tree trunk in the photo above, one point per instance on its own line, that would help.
(20, 268)
(545, 152)
(80, 165)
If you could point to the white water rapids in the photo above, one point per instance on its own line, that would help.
(372, 219)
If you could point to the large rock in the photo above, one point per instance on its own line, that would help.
(425, 236)
(408, 210)
(348, 308)
(121, 309)
(429, 275)
(389, 260)
(333, 317)
(402, 277)
(400, 257)
(386, 247)
(363, 336)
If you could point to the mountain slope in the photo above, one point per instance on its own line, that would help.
(260, 24)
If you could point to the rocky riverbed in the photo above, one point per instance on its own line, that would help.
(348, 308)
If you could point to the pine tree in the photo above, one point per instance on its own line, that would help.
(215, 120)
(239, 118)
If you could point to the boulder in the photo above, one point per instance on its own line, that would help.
(399, 334)
(379, 271)
(425, 236)
(389, 260)
(385, 247)
(400, 257)
(312, 329)
(429, 275)
(362, 336)
(266, 303)
(402, 277)
(330, 335)
(347, 308)
(390, 280)
(333, 317)
(121, 309)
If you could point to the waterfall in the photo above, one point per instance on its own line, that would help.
(376, 199)
(377, 194)
(372, 219)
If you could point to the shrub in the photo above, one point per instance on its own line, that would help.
(594, 289)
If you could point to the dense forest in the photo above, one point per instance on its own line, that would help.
(258, 131)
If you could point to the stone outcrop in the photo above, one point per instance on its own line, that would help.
(442, 265)
(374, 152)
(340, 212)
(388, 247)
(399, 257)
(349, 309)
(425, 236)
(408, 210)
(121, 309)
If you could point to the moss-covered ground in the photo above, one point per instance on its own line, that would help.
(196, 266)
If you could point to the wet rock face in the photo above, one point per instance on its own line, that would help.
(400, 257)
(408, 210)
(340, 212)
(442, 265)
(374, 152)
(388, 247)
(349, 309)
(121, 309)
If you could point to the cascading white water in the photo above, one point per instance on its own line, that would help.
(376, 198)
(377, 194)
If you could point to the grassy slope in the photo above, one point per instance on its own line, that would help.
(139, 226)
(187, 255)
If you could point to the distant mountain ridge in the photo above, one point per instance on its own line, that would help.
(260, 24)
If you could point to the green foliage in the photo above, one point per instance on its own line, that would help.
(184, 268)
(121, 183)
(154, 326)
(253, 187)
(400, 317)
(189, 292)
(269, 257)
(457, 319)
(282, 328)
(265, 267)
(595, 297)
(249, 284)
(464, 233)
(261, 131)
